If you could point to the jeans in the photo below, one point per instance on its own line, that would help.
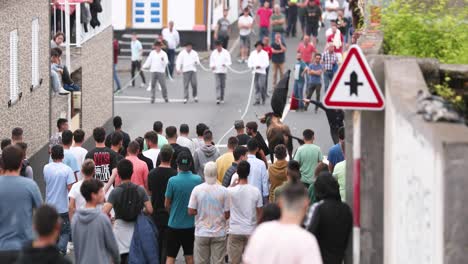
(136, 66)
(264, 32)
(292, 21)
(65, 233)
(161, 78)
(260, 87)
(55, 81)
(313, 87)
(116, 78)
(190, 78)
(327, 78)
(220, 80)
(171, 58)
(299, 93)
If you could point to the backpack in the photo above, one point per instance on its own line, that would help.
(24, 165)
(130, 204)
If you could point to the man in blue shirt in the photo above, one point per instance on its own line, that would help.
(181, 226)
(18, 197)
(258, 175)
(335, 154)
(59, 179)
(315, 80)
(300, 68)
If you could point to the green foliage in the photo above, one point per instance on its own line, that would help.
(444, 91)
(415, 28)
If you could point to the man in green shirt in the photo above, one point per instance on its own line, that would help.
(308, 156)
(278, 23)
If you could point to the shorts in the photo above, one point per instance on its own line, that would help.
(180, 237)
(245, 41)
(312, 29)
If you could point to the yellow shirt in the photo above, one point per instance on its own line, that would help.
(223, 163)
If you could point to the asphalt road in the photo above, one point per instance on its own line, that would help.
(133, 104)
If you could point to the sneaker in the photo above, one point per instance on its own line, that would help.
(149, 88)
(152, 100)
(195, 99)
(185, 101)
(256, 103)
(240, 61)
(222, 101)
(166, 100)
(217, 102)
(63, 91)
(143, 85)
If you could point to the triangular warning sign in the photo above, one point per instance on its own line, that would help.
(354, 86)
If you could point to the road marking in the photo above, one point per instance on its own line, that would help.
(132, 97)
(236, 42)
(146, 101)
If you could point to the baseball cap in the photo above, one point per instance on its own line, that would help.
(238, 124)
(183, 161)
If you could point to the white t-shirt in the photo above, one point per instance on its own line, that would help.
(186, 142)
(276, 243)
(245, 20)
(332, 15)
(152, 154)
(244, 200)
(79, 153)
(75, 193)
(210, 201)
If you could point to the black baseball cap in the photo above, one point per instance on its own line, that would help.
(259, 43)
(184, 160)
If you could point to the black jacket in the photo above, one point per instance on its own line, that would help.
(47, 255)
(335, 116)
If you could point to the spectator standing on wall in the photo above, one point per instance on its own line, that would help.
(137, 54)
(264, 14)
(171, 35)
(223, 29)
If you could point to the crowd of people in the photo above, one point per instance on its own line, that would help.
(141, 200)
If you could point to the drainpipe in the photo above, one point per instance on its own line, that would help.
(208, 25)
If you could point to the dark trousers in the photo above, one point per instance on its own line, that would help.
(136, 66)
(171, 57)
(334, 134)
(224, 40)
(162, 242)
(313, 87)
(66, 79)
(292, 21)
(124, 258)
(9, 257)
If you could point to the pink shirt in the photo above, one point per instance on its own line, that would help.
(264, 14)
(277, 243)
(306, 52)
(140, 172)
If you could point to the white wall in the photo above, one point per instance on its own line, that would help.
(119, 14)
(413, 214)
(182, 12)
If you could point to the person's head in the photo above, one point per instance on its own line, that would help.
(280, 152)
(308, 135)
(134, 36)
(157, 45)
(259, 46)
(210, 172)
(326, 187)
(17, 134)
(266, 4)
(341, 134)
(166, 153)
(239, 126)
(99, 134)
(252, 146)
(67, 138)
(171, 25)
(293, 200)
(321, 166)
(298, 56)
(23, 146)
(125, 169)
(93, 191)
(184, 161)
(219, 45)
(340, 13)
(318, 58)
(334, 28)
(225, 13)
(46, 223)
(208, 137)
(56, 153)
(278, 37)
(5, 143)
(158, 127)
(246, 11)
(188, 46)
(332, 23)
(117, 140)
(184, 130)
(294, 171)
(62, 124)
(78, 136)
(311, 3)
(271, 212)
(266, 41)
(12, 159)
(151, 138)
(306, 39)
(133, 148)
(55, 54)
(200, 129)
(330, 47)
(117, 122)
(243, 169)
(88, 168)
(58, 38)
(240, 153)
(171, 133)
(141, 142)
(277, 9)
(252, 128)
(232, 143)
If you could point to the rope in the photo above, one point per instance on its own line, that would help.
(129, 82)
(238, 72)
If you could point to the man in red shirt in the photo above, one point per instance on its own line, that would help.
(140, 169)
(337, 39)
(264, 13)
(306, 49)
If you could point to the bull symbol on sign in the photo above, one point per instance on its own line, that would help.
(353, 83)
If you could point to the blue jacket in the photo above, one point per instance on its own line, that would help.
(144, 247)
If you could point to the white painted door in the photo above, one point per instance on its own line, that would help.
(147, 14)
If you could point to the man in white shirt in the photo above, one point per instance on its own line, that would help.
(245, 24)
(184, 140)
(137, 52)
(258, 62)
(186, 63)
(172, 37)
(77, 201)
(220, 59)
(152, 153)
(258, 176)
(156, 62)
(77, 150)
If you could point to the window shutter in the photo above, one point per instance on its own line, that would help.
(14, 89)
(35, 53)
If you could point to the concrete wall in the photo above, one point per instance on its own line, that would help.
(97, 83)
(32, 111)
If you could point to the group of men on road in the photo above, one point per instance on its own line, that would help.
(143, 202)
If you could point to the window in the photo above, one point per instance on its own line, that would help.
(14, 88)
(35, 54)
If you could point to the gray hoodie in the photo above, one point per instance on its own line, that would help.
(203, 155)
(93, 238)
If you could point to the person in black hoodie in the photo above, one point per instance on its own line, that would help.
(330, 220)
(171, 134)
(43, 250)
